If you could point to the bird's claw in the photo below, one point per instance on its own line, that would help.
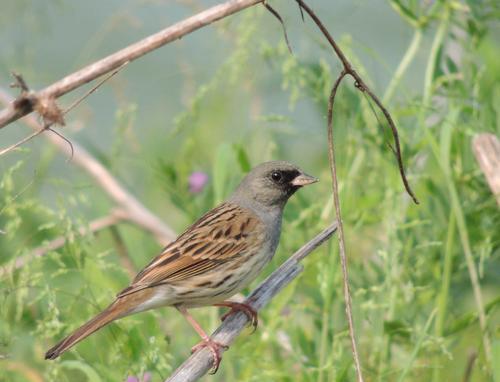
(216, 348)
(250, 312)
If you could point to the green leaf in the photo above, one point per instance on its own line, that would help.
(470, 318)
(404, 11)
(242, 157)
(397, 328)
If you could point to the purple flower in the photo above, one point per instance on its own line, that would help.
(145, 378)
(197, 182)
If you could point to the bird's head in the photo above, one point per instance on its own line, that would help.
(272, 183)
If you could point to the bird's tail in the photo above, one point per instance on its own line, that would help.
(111, 313)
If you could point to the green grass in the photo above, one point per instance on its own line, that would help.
(415, 311)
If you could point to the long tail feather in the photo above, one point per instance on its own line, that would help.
(111, 313)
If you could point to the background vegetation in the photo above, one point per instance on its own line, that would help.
(227, 98)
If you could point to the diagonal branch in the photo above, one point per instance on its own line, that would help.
(200, 362)
(130, 53)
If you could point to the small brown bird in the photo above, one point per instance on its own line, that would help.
(212, 260)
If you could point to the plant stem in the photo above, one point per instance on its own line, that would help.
(403, 65)
(417, 346)
(432, 63)
(442, 299)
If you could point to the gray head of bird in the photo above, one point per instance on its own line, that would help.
(271, 184)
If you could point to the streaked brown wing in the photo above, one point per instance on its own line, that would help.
(219, 236)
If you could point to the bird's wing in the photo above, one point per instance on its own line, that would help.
(221, 235)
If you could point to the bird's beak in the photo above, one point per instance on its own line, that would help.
(303, 180)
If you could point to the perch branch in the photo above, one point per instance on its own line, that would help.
(130, 53)
(200, 362)
(133, 209)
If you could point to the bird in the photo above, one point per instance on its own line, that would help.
(212, 260)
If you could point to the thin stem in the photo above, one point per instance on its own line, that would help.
(363, 87)
(432, 63)
(418, 345)
(471, 267)
(442, 299)
(331, 271)
(442, 157)
(342, 252)
(21, 142)
(463, 233)
(403, 65)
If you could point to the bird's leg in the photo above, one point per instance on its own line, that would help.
(250, 312)
(215, 347)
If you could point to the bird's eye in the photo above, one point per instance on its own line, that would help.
(276, 176)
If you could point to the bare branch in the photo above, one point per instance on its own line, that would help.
(363, 87)
(130, 53)
(135, 211)
(49, 121)
(200, 362)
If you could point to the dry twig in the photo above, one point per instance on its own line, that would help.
(17, 110)
(363, 87)
(200, 362)
(49, 110)
(275, 13)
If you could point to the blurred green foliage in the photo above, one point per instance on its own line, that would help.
(415, 314)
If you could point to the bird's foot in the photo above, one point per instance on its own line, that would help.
(250, 312)
(216, 348)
